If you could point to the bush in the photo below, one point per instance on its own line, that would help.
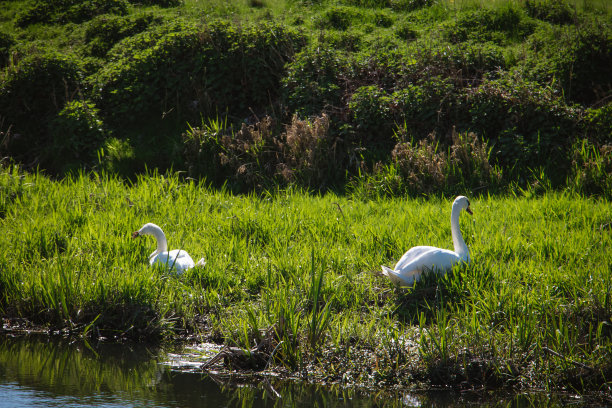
(406, 32)
(370, 108)
(421, 108)
(425, 168)
(598, 124)
(6, 43)
(591, 169)
(577, 58)
(307, 153)
(32, 93)
(501, 25)
(245, 158)
(337, 18)
(465, 63)
(313, 81)
(185, 71)
(552, 11)
(160, 3)
(103, 32)
(65, 11)
(260, 155)
(526, 123)
(77, 134)
(410, 5)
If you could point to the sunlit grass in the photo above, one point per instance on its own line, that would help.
(534, 308)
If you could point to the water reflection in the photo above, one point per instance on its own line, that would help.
(45, 371)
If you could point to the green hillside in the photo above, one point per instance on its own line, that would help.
(369, 96)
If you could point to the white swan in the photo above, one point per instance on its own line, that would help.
(177, 260)
(420, 259)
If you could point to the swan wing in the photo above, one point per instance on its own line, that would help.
(436, 259)
(177, 259)
(412, 254)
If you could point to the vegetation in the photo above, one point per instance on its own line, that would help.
(294, 278)
(165, 81)
(328, 115)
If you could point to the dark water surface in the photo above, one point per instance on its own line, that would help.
(43, 371)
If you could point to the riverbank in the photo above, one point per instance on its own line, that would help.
(293, 278)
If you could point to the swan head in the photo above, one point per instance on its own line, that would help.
(148, 229)
(462, 203)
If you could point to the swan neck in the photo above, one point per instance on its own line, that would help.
(460, 247)
(162, 244)
(160, 237)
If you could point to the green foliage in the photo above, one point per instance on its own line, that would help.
(258, 155)
(553, 11)
(64, 11)
(37, 87)
(6, 42)
(103, 32)
(499, 25)
(338, 18)
(524, 123)
(160, 3)
(592, 169)
(185, 71)
(406, 32)
(370, 109)
(598, 123)
(421, 109)
(313, 81)
(425, 167)
(411, 5)
(574, 57)
(77, 133)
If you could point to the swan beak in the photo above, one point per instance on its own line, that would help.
(135, 234)
(469, 211)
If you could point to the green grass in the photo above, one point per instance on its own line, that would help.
(299, 274)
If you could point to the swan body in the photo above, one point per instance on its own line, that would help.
(421, 259)
(177, 260)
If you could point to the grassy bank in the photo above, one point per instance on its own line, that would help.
(295, 278)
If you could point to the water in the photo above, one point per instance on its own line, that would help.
(43, 371)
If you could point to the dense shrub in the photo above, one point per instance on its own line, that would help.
(526, 123)
(103, 32)
(591, 169)
(187, 71)
(341, 40)
(338, 18)
(31, 94)
(410, 5)
(370, 108)
(314, 81)
(406, 32)
(552, 11)
(424, 108)
(598, 123)
(465, 63)
(578, 58)
(64, 11)
(160, 3)
(246, 158)
(6, 42)
(259, 154)
(77, 133)
(426, 167)
(498, 25)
